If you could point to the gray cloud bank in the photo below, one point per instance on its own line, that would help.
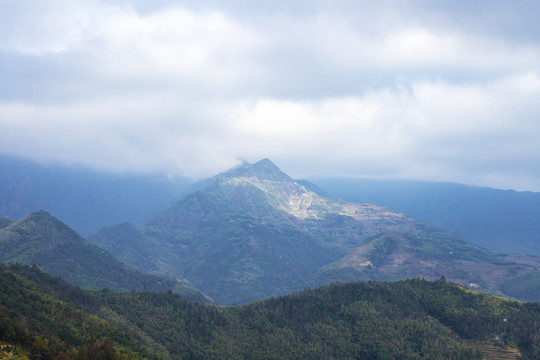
(416, 90)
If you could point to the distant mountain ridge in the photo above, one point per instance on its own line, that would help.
(499, 220)
(43, 240)
(86, 200)
(254, 232)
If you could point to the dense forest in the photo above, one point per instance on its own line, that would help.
(43, 317)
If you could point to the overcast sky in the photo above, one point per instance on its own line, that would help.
(430, 90)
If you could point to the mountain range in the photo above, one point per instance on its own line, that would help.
(254, 232)
(499, 220)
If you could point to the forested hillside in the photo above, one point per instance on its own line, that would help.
(44, 318)
(43, 240)
(254, 232)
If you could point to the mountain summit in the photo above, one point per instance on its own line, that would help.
(254, 232)
(264, 169)
(30, 239)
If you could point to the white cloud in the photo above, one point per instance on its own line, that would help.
(122, 134)
(38, 27)
(360, 90)
(174, 42)
(436, 131)
(118, 43)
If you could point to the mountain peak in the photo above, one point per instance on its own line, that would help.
(44, 218)
(263, 169)
(266, 163)
(5, 222)
(267, 168)
(41, 214)
(46, 230)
